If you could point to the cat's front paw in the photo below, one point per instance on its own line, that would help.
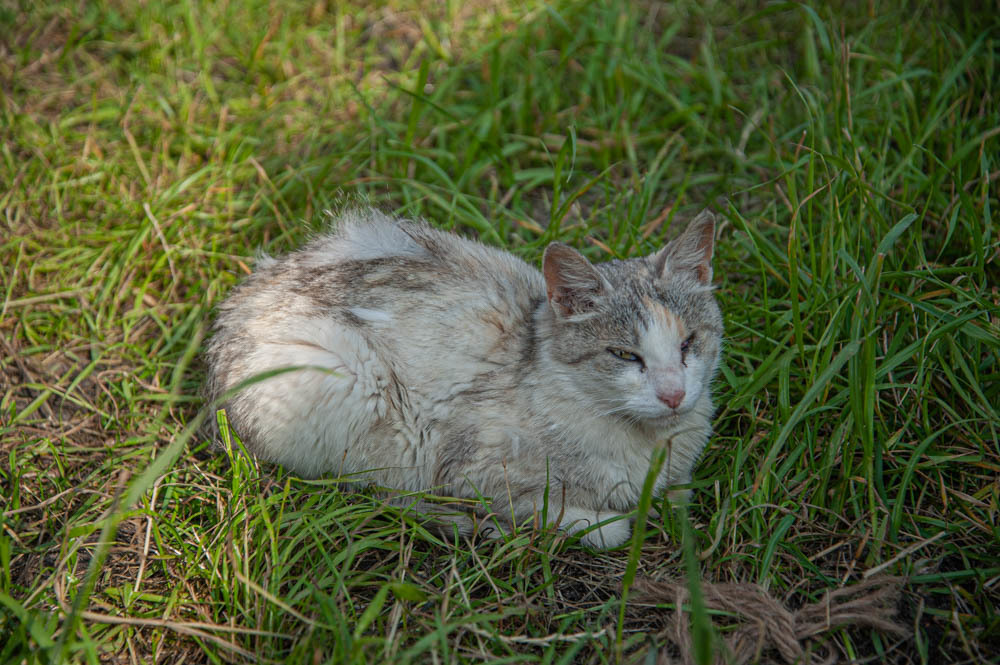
(679, 497)
(606, 536)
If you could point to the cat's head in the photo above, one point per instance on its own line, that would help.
(641, 337)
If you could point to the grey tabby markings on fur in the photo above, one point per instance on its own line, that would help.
(432, 362)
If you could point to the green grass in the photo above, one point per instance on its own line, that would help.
(148, 149)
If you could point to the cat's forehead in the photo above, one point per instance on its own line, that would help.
(661, 319)
(633, 280)
(620, 272)
(672, 304)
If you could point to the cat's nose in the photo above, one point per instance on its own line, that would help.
(671, 398)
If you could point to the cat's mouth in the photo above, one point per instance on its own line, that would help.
(654, 421)
(668, 418)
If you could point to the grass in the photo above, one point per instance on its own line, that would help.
(147, 150)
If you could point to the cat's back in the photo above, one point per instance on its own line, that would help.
(411, 286)
(430, 303)
(387, 253)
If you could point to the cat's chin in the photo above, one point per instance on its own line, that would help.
(664, 420)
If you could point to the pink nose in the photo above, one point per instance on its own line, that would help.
(671, 398)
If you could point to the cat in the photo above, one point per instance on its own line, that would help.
(427, 361)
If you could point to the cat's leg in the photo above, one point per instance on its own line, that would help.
(573, 520)
(527, 509)
(678, 472)
(331, 389)
(614, 527)
(447, 519)
(679, 497)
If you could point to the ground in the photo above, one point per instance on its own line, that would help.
(147, 150)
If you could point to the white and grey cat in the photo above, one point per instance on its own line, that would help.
(433, 362)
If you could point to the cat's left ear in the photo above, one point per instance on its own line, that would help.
(691, 251)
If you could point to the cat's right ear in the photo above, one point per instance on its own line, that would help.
(691, 251)
(573, 285)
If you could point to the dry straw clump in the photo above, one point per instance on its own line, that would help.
(766, 630)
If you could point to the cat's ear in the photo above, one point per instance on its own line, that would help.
(573, 285)
(691, 251)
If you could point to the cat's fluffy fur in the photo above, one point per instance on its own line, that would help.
(432, 362)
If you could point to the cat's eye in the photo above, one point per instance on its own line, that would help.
(686, 344)
(624, 355)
